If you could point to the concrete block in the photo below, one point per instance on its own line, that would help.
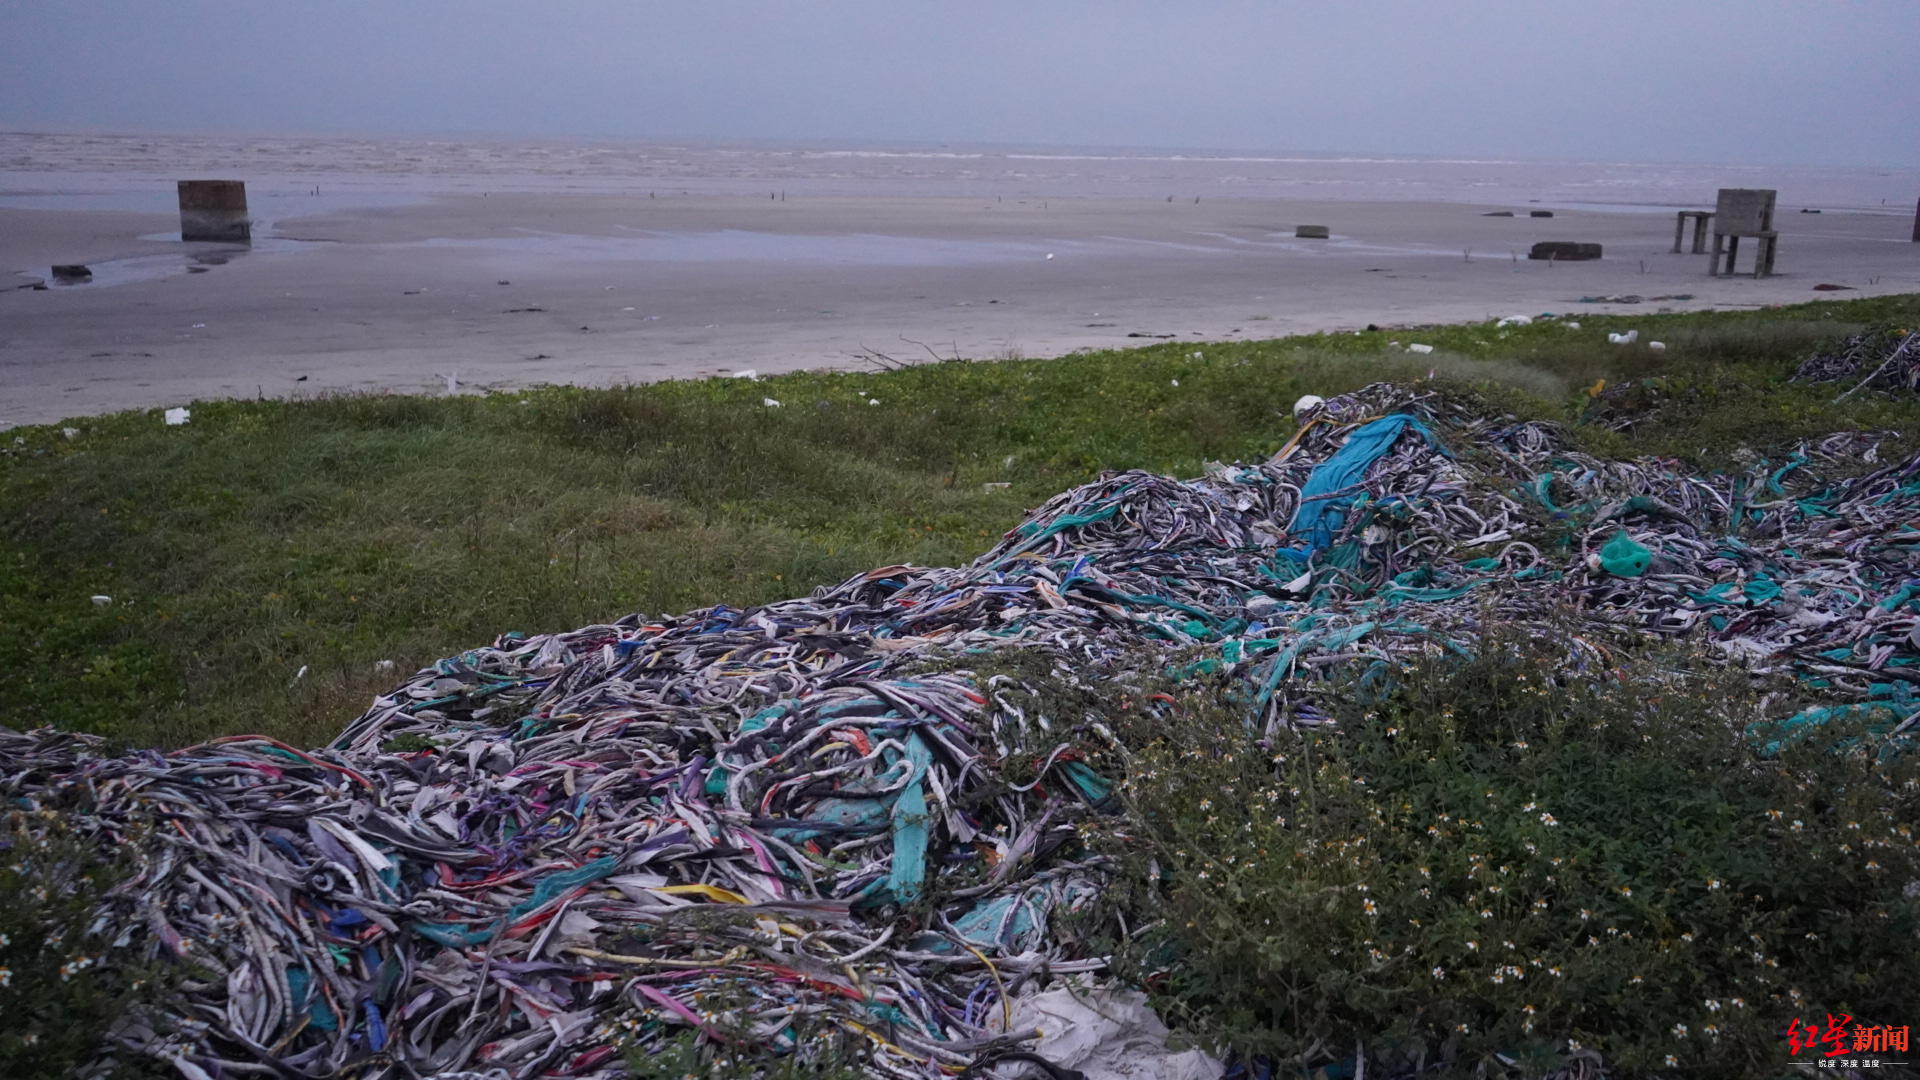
(1539, 213)
(1311, 232)
(1564, 251)
(215, 211)
(1744, 211)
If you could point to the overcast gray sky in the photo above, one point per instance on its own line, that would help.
(1798, 81)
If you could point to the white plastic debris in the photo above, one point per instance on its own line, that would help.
(178, 416)
(1627, 338)
(453, 382)
(769, 403)
(101, 601)
(1657, 346)
(383, 665)
(1199, 356)
(70, 432)
(1571, 325)
(1419, 348)
(1107, 1034)
(996, 485)
(1515, 320)
(873, 401)
(748, 374)
(301, 674)
(1049, 255)
(1307, 404)
(1176, 382)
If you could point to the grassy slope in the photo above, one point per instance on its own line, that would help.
(268, 536)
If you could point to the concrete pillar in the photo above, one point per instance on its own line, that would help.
(215, 210)
(1916, 223)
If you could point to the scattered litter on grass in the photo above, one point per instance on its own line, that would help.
(100, 600)
(1420, 348)
(534, 856)
(177, 416)
(769, 403)
(1106, 1034)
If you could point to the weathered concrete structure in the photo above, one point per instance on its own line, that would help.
(215, 211)
(1699, 219)
(1744, 212)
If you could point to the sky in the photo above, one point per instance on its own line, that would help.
(1735, 81)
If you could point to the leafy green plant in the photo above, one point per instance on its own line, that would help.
(1509, 863)
(61, 993)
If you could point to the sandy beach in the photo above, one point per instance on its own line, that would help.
(527, 281)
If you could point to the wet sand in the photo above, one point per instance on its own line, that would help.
(511, 289)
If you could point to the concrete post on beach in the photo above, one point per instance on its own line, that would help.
(1744, 212)
(215, 211)
(1916, 223)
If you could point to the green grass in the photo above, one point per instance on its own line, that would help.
(267, 537)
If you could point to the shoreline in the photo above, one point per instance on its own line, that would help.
(609, 289)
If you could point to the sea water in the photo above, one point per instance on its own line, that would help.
(136, 172)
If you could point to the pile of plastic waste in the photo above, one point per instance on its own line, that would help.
(535, 857)
(1882, 360)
